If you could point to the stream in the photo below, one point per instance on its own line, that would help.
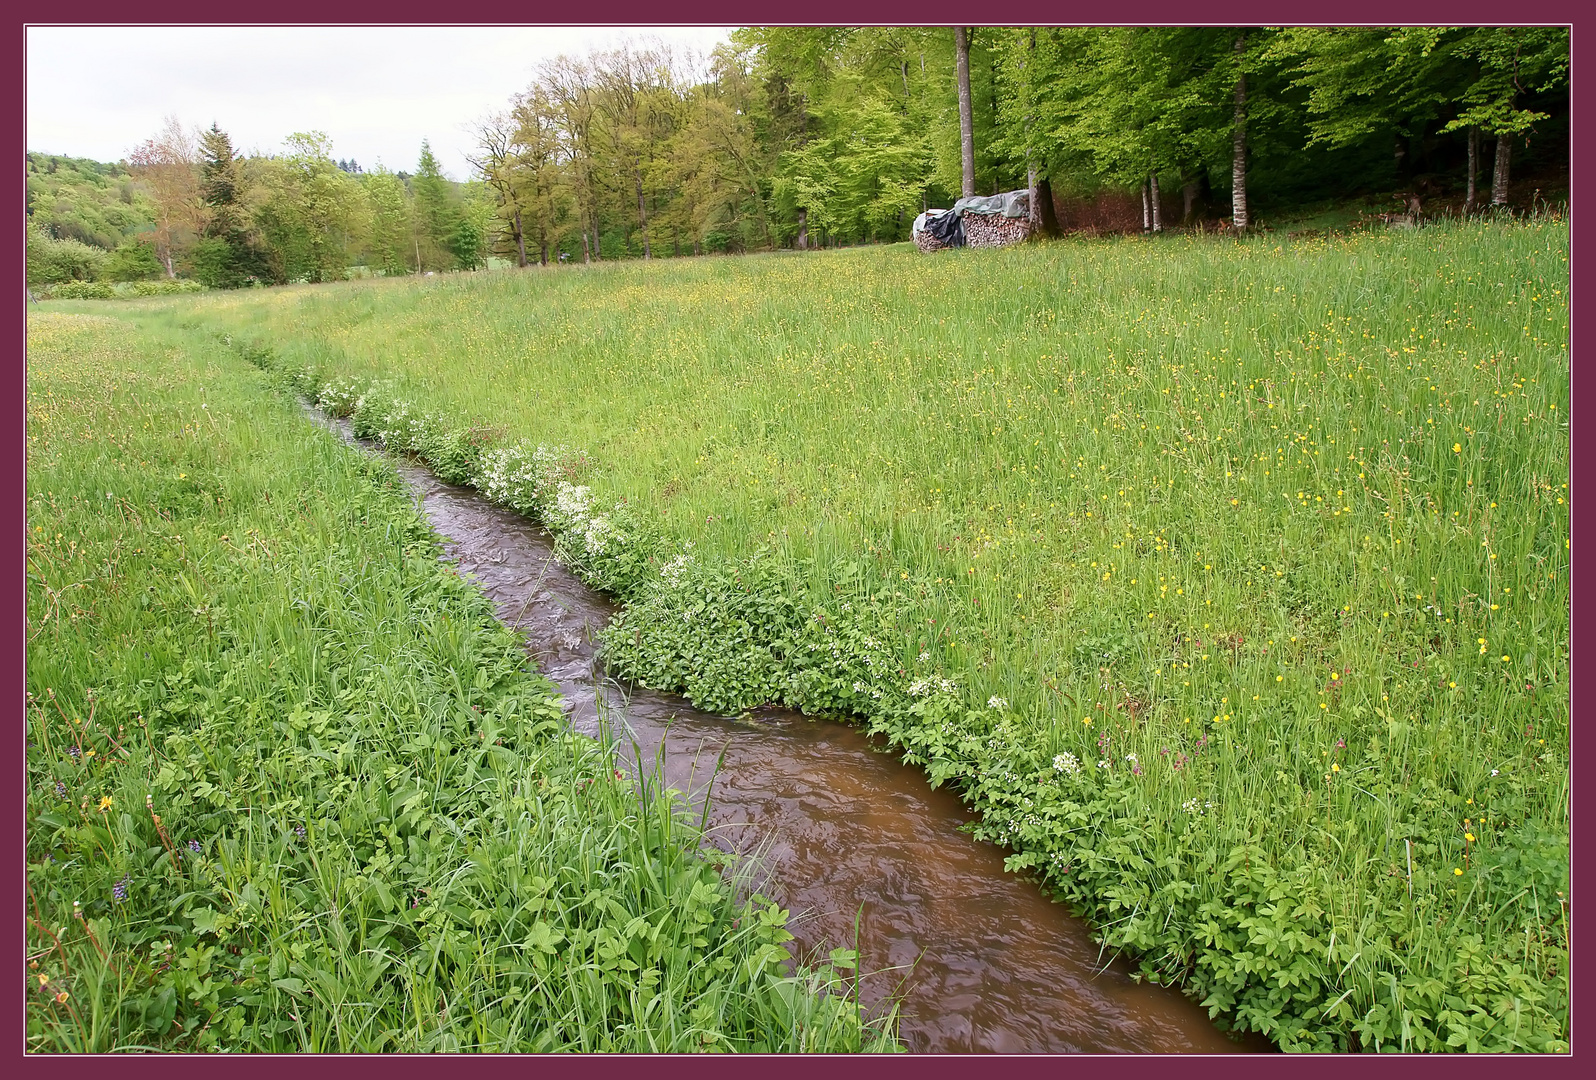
(855, 843)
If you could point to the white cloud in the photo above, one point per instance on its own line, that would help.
(97, 92)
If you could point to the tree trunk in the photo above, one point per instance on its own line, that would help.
(642, 215)
(1044, 196)
(587, 253)
(520, 241)
(1238, 164)
(1188, 196)
(1033, 201)
(1474, 170)
(961, 48)
(1504, 152)
(598, 246)
(543, 243)
(1158, 220)
(1147, 210)
(802, 243)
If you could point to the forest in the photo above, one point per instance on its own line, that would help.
(795, 137)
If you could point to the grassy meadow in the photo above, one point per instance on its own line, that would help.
(290, 787)
(1228, 581)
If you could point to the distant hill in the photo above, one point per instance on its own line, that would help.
(92, 202)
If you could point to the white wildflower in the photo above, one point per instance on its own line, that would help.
(571, 500)
(995, 702)
(673, 570)
(1066, 763)
(595, 532)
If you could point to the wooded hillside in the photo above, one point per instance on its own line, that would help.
(803, 136)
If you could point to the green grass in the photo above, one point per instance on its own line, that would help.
(290, 787)
(1286, 521)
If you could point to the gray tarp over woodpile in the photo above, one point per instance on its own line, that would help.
(1011, 204)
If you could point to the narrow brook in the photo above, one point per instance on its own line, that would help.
(983, 961)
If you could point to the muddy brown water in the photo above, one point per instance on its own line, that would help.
(856, 844)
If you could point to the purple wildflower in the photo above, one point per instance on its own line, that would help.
(194, 846)
(119, 890)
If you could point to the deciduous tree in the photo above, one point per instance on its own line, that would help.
(167, 164)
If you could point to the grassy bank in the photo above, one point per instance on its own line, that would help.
(1228, 581)
(290, 787)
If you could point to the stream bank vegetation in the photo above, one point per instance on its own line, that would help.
(290, 786)
(1226, 580)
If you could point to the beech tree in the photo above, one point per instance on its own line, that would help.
(388, 239)
(1513, 62)
(312, 214)
(569, 86)
(635, 90)
(498, 161)
(717, 160)
(961, 50)
(1239, 219)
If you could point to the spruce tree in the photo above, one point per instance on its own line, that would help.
(437, 219)
(226, 257)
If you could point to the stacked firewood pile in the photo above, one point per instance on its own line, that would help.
(995, 230)
(975, 221)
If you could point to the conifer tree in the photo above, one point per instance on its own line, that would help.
(437, 220)
(226, 257)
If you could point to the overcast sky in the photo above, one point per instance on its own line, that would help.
(97, 92)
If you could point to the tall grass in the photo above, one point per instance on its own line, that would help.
(1228, 580)
(290, 787)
